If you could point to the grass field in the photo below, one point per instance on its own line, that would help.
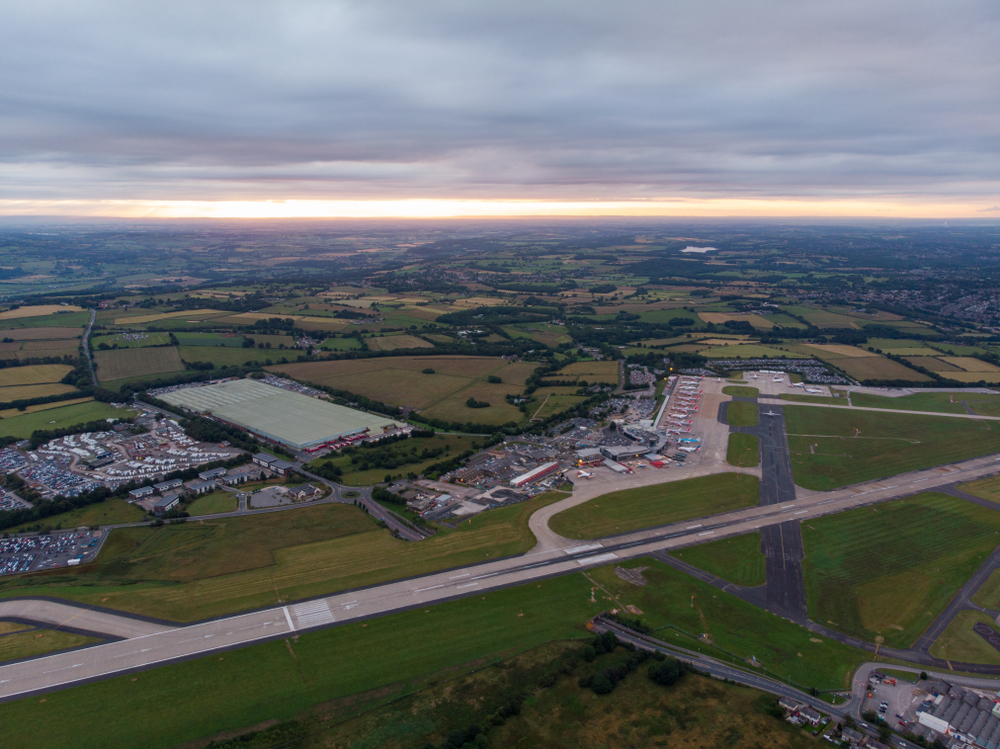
(401, 381)
(108, 512)
(745, 351)
(879, 368)
(687, 608)
(553, 403)
(11, 412)
(742, 414)
(390, 342)
(42, 334)
(591, 371)
(988, 595)
(213, 502)
(410, 450)
(743, 450)
(57, 418)
(34, 374)
(988, 488)
(741, 391)
(221, 339)
(120, 340)
(889, 570)
(279, 680)
(215, 567)
(155, 317)
(959, 643)
(38, 642)
(865, 445)
(660, 504)
(738, 560)
(222, 356)
(135, 362)
(59, 320)
(19, 392)
(799, 398)
(945, 402)
(340, 344)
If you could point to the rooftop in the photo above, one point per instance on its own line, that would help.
(284, 416)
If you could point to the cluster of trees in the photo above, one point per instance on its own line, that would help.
(381, 494)
(473, 403)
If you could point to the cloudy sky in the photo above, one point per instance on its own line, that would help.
(744, 106)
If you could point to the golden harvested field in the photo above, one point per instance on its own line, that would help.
(970, 364)
(10, 412)
(135, 362)
(389, 343)
(39, 334)
(33, 375)
(323, 323)
(187, 314)
(591, 371)
(878, 368)
(932, 363)
(850, 352)
(718, 318)
(972, 376)
(38, 310)
(20, 392)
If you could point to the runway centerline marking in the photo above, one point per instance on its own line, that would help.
(421, 590)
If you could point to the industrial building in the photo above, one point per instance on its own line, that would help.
(534, 474)
(276, 414)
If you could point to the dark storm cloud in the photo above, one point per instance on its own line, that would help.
(502, 99)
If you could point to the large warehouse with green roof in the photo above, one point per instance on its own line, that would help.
(283, 416)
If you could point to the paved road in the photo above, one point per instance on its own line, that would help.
(57, 614)
(86, 346)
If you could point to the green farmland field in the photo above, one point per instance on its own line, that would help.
(738, 559)
(201, 569)
(889, 570)
(58, 418)
(866, 445)
(660, 504)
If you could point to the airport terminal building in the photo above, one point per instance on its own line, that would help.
(297, 421)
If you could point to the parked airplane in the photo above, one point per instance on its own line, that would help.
(584, 475)
(771, 413)
(689, 449)
(689, 439)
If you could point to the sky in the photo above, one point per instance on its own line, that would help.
(707, 107)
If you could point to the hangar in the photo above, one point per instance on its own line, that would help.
(283, 416)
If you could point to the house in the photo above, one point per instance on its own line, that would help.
(166, 503)
(810, 716)
(304, 492)
(215, 473)
(142, 491)
(165, 486)
(201, 487)
(854, 738)
(788, 704)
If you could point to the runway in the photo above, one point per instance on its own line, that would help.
(183, 642)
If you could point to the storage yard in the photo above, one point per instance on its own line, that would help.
(278, 414)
